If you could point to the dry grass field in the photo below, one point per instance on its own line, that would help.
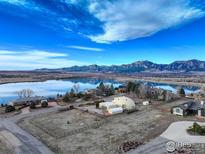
(87, 133)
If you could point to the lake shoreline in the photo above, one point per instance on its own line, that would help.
(119, 79)
(53, 86)
(35, 76)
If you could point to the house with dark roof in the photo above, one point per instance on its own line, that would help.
(190, 108)
(28, 100)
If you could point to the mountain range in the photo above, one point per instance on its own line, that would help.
(139, 66)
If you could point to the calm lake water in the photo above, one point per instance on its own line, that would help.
(173, 88)
(51, 88)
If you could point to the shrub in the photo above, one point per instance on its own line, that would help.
(171, 110)
(10, 108)
(79, 95)
(87, 97)
(97, 102)
(44, 104)
(32, 105)
(71, 107)
(197, 129)
(72, 93)
(66, 97)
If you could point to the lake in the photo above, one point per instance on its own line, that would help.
(51, 88)
(173, 88)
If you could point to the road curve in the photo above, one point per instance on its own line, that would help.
(18, 139)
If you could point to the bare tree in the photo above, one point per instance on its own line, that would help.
(202, 89)
(76, 88)
(25, 93)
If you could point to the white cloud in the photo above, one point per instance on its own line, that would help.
(128, 19)
(24, 3)
(85, 48)
(34, 59)
(15, 2)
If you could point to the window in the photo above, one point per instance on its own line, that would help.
(177, 110)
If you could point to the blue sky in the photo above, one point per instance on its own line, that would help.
(61, 33)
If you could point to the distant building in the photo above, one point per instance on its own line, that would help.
(28, 100)
(190, 108)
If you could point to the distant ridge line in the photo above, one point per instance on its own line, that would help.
(193, 65)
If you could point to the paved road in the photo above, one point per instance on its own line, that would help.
(18, 139)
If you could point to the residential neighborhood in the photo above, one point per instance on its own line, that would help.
(105, 110)
(102, 76)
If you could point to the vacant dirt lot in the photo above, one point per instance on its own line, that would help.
(67, 123)
(78, 132)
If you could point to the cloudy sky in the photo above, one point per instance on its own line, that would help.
(61, 33)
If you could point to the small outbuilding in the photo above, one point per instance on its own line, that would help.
(146, 102)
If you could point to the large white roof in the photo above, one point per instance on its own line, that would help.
(123, 98)
(125, 102)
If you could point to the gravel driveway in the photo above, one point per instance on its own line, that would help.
(177, 132)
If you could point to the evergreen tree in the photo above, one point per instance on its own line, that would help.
(181, 92)
(136, 88)
(112, 89)
(164, 95)
(129, 86)
(72, 93)
(101, 86)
